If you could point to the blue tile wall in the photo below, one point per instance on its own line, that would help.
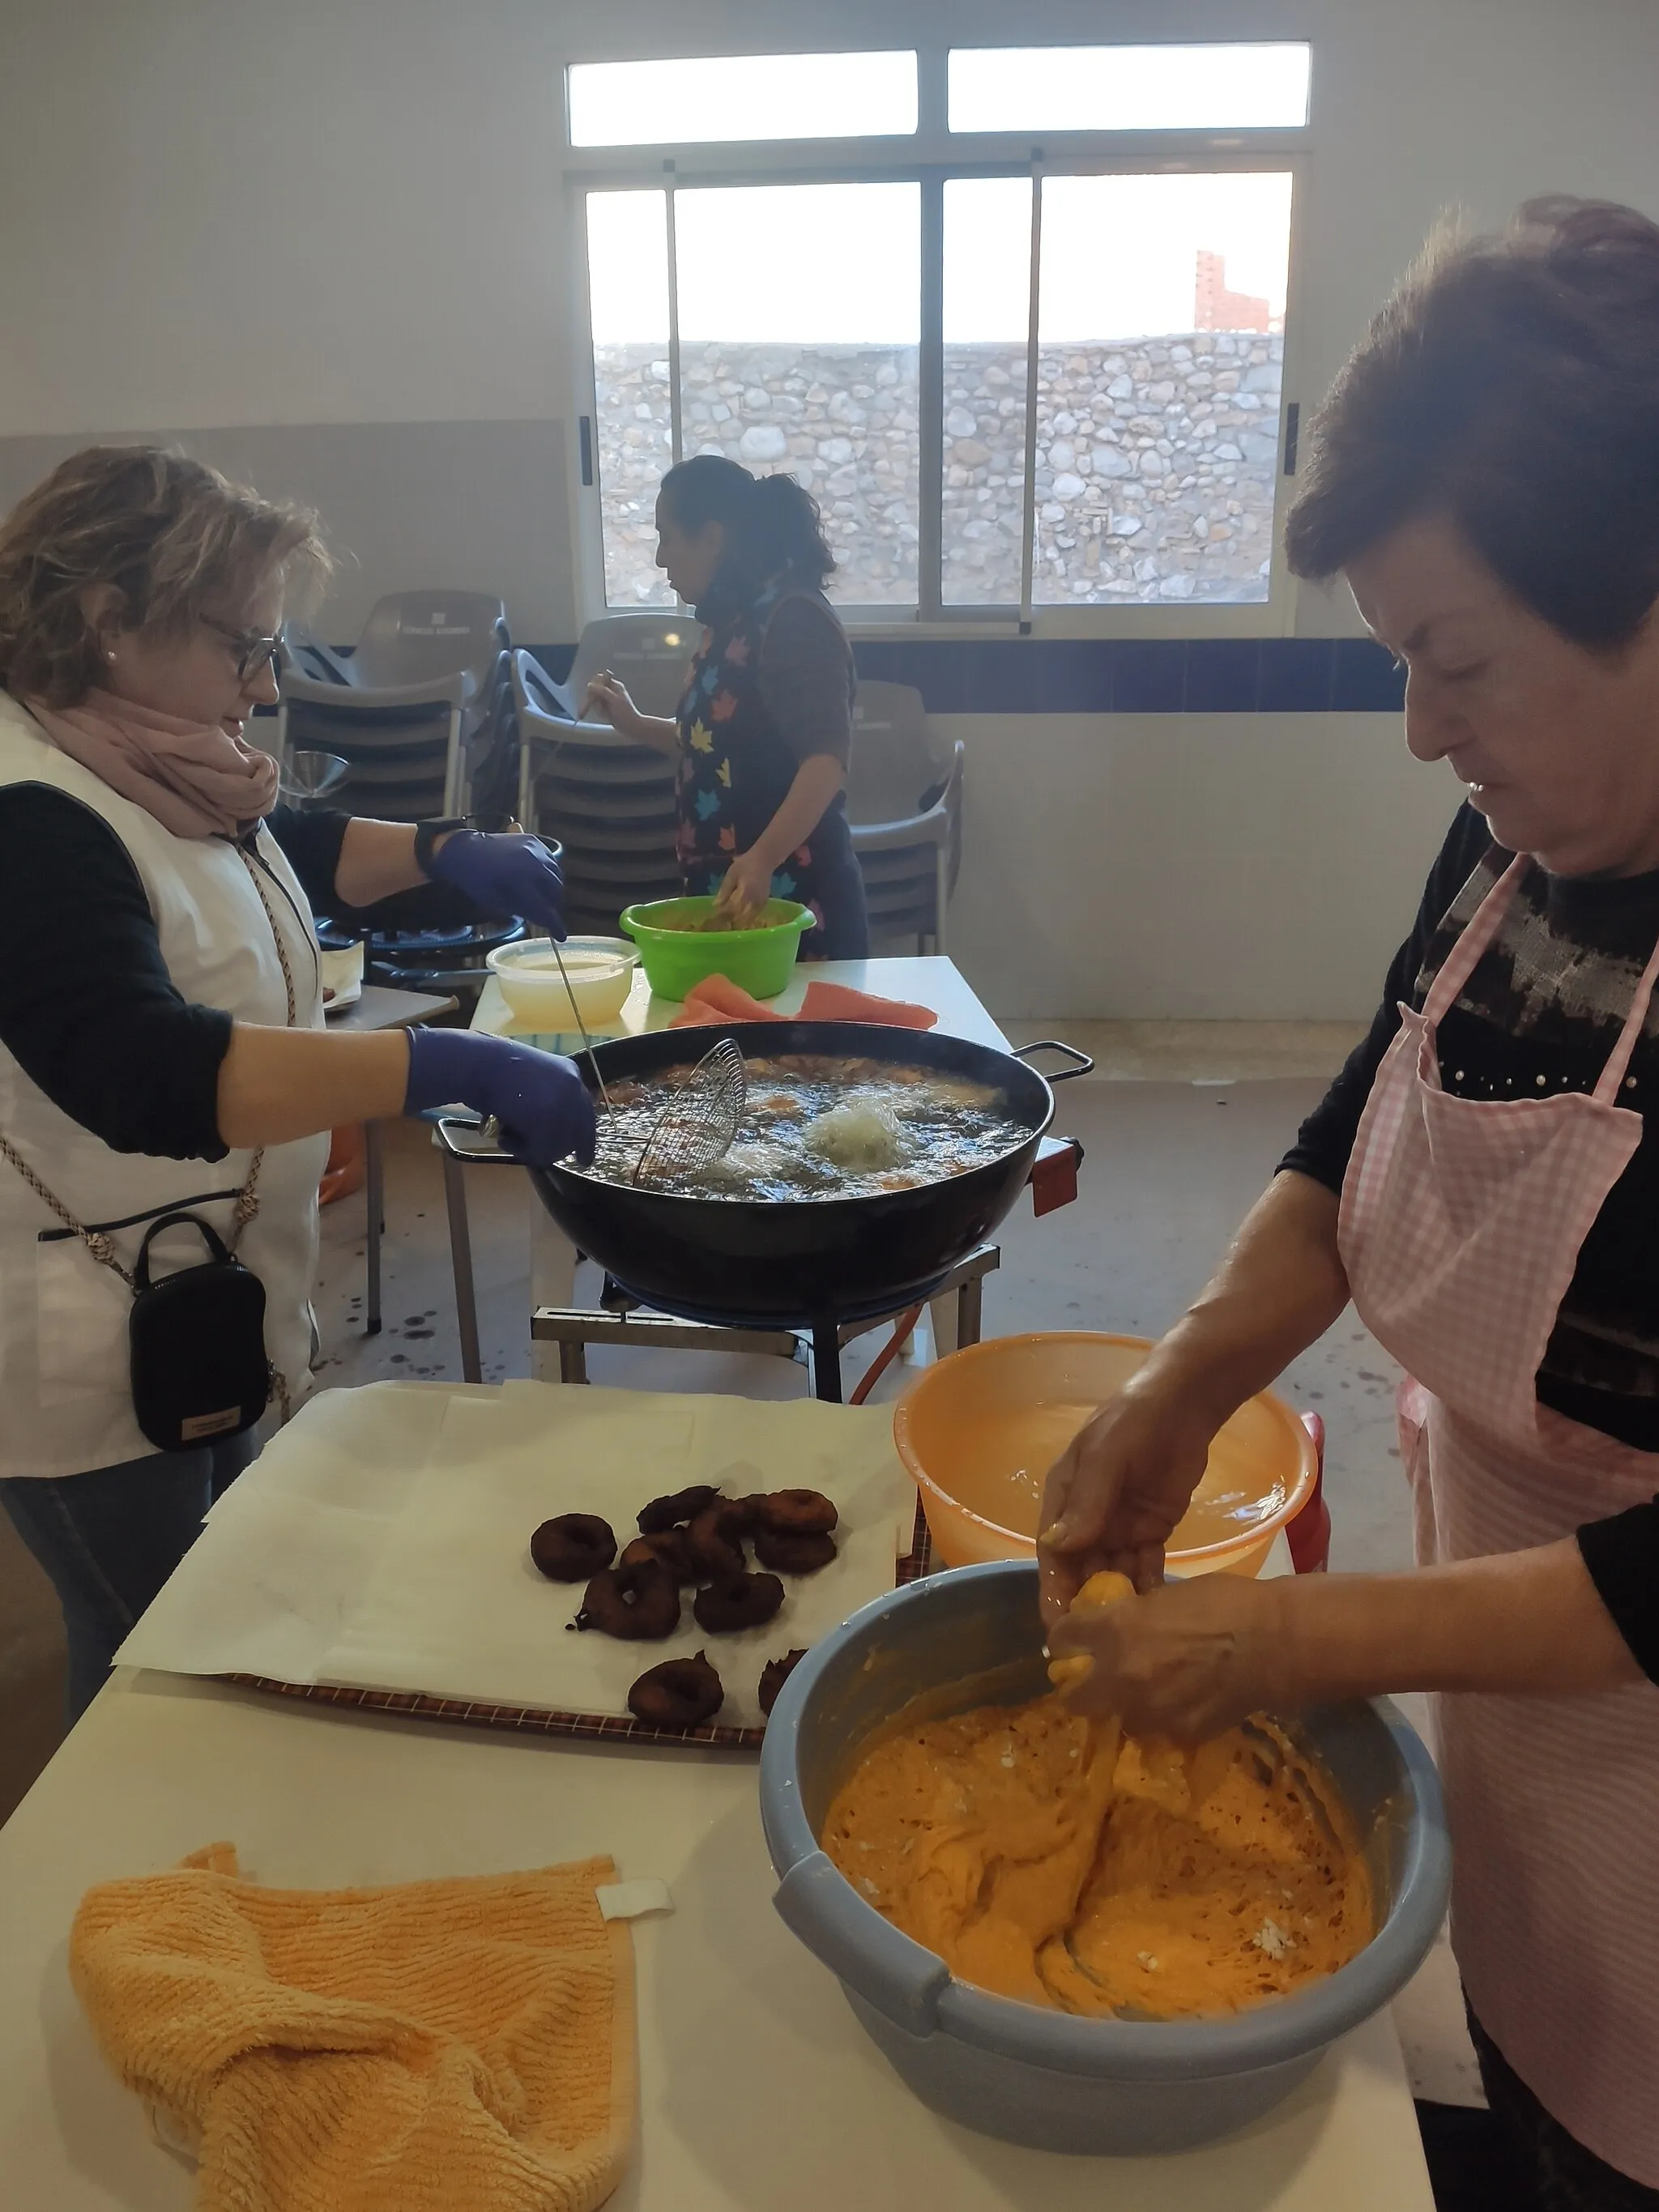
(1124, 675)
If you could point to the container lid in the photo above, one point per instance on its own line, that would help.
(586, 958)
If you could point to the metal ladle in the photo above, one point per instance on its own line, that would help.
(587, 1041)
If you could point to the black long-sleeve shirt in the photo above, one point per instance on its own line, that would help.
(86, 1006)
(1542, 1013)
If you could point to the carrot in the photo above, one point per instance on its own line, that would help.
(838, 1002)
(718, 999)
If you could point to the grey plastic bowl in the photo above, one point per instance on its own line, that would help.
(1048, 2079)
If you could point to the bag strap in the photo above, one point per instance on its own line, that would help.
(94, 1239)
(217, 1250)
(247, 1202)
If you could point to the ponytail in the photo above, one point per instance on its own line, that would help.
(771, 523)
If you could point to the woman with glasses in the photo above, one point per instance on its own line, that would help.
(161, 1039)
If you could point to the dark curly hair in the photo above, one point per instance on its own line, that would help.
(173, 537)
(1512, 383)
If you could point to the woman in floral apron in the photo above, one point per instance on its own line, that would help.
(764, 729)
(1482, 1182)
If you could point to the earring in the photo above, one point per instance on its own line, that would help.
(110, 654)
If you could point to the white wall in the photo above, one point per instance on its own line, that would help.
(317, 219)
(220, 213)
(1191, 867)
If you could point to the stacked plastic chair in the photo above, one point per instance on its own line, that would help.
(610, 803)
(421, 709)
(904, 803)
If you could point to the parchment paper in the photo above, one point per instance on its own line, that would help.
(382, 1540)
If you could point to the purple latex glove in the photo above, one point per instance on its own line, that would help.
(509, 874)
(541, 1102)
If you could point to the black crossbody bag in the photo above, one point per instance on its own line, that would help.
(196, 1338)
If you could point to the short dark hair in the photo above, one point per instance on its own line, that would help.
(1512, 383)
(771, 523)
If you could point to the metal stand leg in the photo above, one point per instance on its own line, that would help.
(374, 1200)
(460, 1259)
(953, 1313)
(826, 1360)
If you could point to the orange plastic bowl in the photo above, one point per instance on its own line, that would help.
(980, 1430)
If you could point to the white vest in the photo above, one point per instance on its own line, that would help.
(65, 1404)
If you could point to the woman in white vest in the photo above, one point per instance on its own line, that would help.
(162, 1040)
(1482, 1182)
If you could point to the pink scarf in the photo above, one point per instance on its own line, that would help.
(197, 779)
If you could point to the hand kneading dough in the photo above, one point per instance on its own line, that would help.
(1047, 1858)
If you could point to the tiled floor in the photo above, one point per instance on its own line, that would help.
(1181, 1127)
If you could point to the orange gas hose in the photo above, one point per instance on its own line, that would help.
(902, 1328)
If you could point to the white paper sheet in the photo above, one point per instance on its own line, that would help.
(382, 1540)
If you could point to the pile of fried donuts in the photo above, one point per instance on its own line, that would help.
(695, 1538)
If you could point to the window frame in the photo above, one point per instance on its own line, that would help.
(932, 156)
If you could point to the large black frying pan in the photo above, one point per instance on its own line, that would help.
(799, 1263)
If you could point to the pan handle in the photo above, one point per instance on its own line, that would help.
(454, 1130)
(1081, 1063)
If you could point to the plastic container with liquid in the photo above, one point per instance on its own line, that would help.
(980, 1430)
(590, 986)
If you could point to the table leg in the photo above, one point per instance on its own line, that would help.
(460, 1259)
(552, 1283)
(374, 1200)
(826, 1360)
(970, 1303)
(945, 1314)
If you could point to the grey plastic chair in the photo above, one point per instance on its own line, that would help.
(904, 807)
(611, 804)
(650, 653)
(421, 708)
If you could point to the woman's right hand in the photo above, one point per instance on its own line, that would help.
(544, 1106)
(606, 700)
(1113, 1498)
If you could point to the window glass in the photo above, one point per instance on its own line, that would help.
(988, 264)
(1161, 343)
(1237, 88)
(741, 98)
(799, 314)
(628, 292)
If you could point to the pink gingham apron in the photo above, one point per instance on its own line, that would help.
(1459, 1228)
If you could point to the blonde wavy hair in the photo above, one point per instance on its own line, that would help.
(173, 538)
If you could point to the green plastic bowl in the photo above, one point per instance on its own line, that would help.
(758, 960)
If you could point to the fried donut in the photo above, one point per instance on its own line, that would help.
(573, 1546)
(672, 1547)
(737, 1602)
(795, 1512)
(716, 1539)
(676, 1510)
(795, 1554)
(640, 1604)
(681, 1693)
(773, 1674)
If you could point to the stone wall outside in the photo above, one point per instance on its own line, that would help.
(1156, 470)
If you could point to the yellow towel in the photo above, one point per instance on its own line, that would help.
(436, 2046)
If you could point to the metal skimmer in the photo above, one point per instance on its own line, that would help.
(697, 1128)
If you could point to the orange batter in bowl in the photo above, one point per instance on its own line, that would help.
(1048, 1858)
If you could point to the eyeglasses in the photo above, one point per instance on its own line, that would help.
(255, 652)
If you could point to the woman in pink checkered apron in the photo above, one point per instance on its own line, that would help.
(1481, 1184)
